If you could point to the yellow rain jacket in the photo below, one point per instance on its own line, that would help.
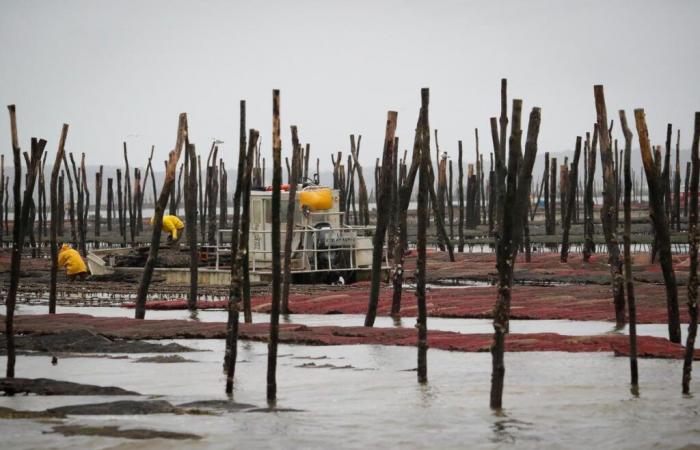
(171, 225)
(71, 260)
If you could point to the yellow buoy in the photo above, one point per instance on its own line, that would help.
(316, 199)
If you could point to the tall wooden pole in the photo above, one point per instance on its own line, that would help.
(53, 188)
(570, 199)
(234, 305)
(162, 202)
(21, 222)
(291, 209)
(383, 200)
(657, 214)
(629, 283)
(276, 263)
(514, 193)
(17, 245)
(589, 229)
(245, 225)
(191, 223)
(460, 184)
(423, 181)
(693, 253)
(405, 191)
(608, 213)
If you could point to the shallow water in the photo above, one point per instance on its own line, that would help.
(553, 400)
(568, 327)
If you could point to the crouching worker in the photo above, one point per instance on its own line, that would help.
(73, 262)
(174, 227)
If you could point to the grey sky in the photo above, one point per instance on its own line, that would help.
(117, 70)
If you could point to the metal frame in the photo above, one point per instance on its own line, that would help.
(303, 253)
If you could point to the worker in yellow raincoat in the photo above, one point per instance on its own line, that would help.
(73, 262)
(174, 227)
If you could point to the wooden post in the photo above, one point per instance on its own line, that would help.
(460, 187)
(407, 183)
(547, 209)
(223, 196)
(42, 202)
(383, 200)
(162, 202)
(191, 222)
(17, 245)
(98, 201)
(213, 190)
(393, 203)
(470, 197)
(657, 214)
(563, 189)
(139, 188)
(53, 189)
(685, 189)
(201, 203)
(492, 196)
(422, 213)
(110, 202)
(80, 205)
(443, 238)
(120, 207)
(553, 196)
(450, 209)
(7, 198)
(21, 208)
(86, 205)
(291, 210)
(71, 204)
(276, 264)
(677, 184)
(514, 193)
(236, 258)
(693, 253)
(608, 213)
(127, 194)
(362, 188)
(666, 176)
(245, 224)
(149, 170)
(629, 283)
(589, 228)
(571, 198)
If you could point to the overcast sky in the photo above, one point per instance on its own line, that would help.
(123, 70)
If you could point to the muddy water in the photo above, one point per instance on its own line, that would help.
(553, 400)
(568, 327)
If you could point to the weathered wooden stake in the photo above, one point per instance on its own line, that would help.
(589, 228)
(276, 263)
(291, 209)
(53, 189)
(460, 184)
(191, 222)
(514, 193)
(383, 200)
(110, 203)
(234, 305)
(657, 214)
(423, 181)
(608, 213)
(629, 283)
(693, 253)
(547, 209)
(570, 199)
(160, 205)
